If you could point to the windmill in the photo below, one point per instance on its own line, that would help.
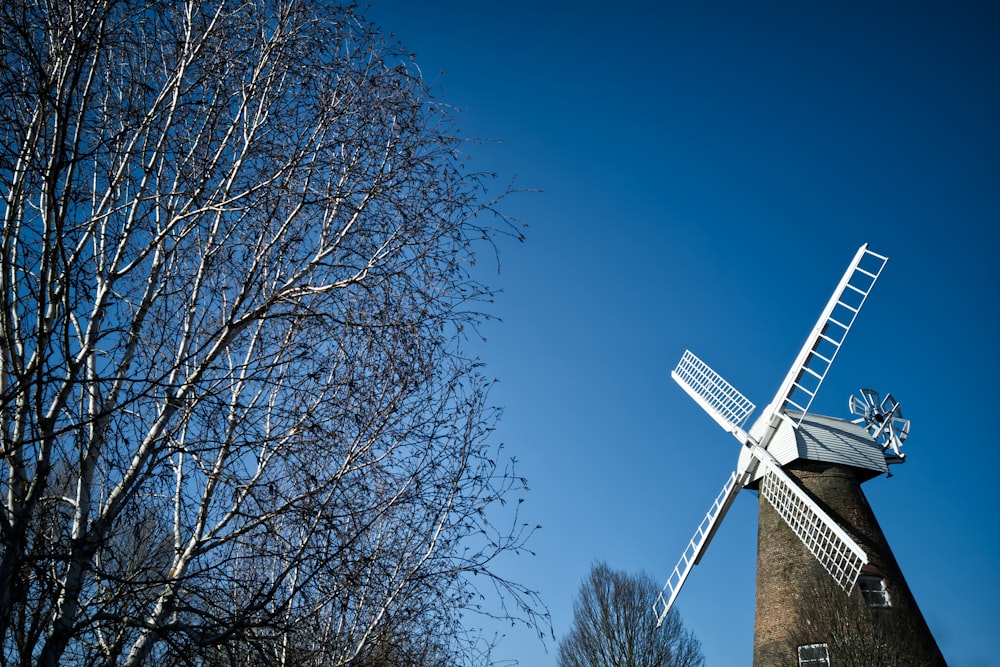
(815, 523)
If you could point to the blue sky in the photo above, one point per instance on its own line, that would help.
(707, 171)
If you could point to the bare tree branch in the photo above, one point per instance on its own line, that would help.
(237, 420)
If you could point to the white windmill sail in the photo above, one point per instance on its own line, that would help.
(696, 547)
(836, 551)
(721, 400)
(813, 362)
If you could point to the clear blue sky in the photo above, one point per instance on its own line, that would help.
(707, 171)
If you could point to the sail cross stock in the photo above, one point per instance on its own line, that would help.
(839, 554)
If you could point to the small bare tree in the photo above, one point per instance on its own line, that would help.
(237, 422)
(614, 626)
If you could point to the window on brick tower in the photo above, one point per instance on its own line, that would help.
(814, 655)
(874, 591)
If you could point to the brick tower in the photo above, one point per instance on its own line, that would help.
(802, 618)
(829, 591)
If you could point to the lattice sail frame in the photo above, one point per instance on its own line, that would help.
(814, 360)
(695, 548)
(836, 551)
(722, 401)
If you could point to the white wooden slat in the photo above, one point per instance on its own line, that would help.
(695, 548)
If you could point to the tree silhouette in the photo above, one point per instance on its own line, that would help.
(614, 626)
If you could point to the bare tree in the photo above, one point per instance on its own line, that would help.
(237, 422)
(856, 633)
(614, 626)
